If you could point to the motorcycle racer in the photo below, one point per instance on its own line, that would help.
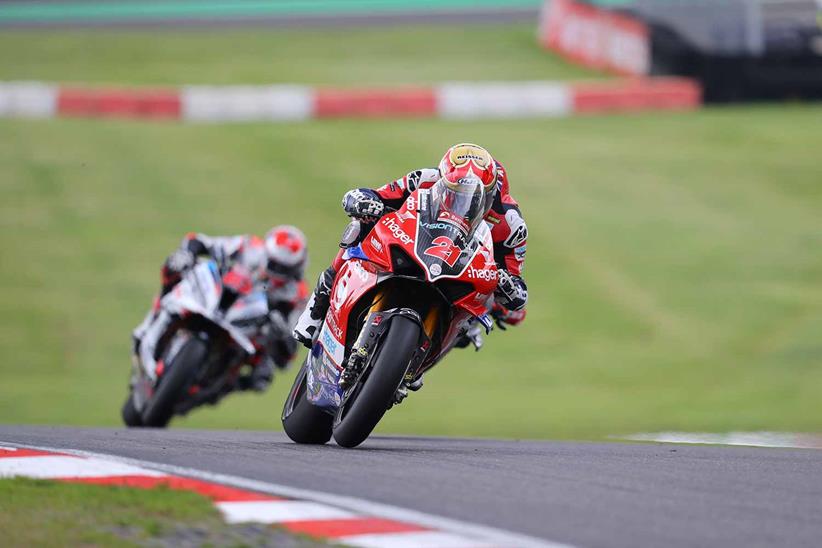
(277, 262)
(508, 230)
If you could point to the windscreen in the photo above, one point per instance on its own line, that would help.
(448, 216)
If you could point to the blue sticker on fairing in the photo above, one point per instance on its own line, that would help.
(328, 342)
(322, 380)
(212, 266)
(355, 252)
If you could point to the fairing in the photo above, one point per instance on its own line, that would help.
(327, 357)
(419, 231)
(199, 292)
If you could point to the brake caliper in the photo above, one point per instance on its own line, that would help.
(356, 362)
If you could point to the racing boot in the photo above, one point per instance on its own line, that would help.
(472, 335)
(308, 325)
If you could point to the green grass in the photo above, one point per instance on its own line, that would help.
(675, 263)
(47, 513)
(343, 56)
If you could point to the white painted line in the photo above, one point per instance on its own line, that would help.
(755, 439)
(503, 100)
(28, 100)
(414, 539)
(69, 467)
(246, 103)
(482, 533)
(279, 511)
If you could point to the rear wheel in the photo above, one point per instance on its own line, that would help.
(373, 395)
(131, 417)
(175, 382)
(302, 421)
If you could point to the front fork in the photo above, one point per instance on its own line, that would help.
(376, 324)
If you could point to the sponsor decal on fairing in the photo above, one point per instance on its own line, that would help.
(485, 274)
(459, 222)
(440, 226)
(361, 272)
(332, 325)
(397, 230)
(333, 348)
(340, 292)
(375, 243)
(423, 196)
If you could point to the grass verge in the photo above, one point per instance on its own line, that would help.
(416, 54)
(49, 513)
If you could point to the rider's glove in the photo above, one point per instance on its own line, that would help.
(180, 261)
(511, 292)
(363, 203)
(502, 316)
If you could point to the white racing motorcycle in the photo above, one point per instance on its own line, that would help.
(193, 351)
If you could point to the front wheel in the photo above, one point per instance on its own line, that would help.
(131, 417)
(302, 421)
(373, 395)
(173, 385)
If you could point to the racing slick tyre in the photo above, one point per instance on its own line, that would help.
(374, 393)
(302, 421)
(131, 417)
(172, 387)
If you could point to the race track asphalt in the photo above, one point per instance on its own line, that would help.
(584, 494)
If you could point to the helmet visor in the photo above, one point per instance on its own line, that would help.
(461, 203)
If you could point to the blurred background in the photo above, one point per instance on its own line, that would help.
(674, 259)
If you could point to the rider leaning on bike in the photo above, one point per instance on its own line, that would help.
(277, 261)
(508, 231)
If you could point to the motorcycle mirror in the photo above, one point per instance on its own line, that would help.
(350, 234)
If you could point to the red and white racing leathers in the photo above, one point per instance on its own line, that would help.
(508, 229)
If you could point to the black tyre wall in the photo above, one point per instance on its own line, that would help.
(175, 382)
(302, 421)
(394, 354)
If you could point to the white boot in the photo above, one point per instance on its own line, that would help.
(308, 326)
(309, 322)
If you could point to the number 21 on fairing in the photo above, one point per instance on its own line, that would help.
(444, 249)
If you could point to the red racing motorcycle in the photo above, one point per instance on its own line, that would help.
(406, 292)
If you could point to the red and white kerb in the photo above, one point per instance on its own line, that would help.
(284, 103)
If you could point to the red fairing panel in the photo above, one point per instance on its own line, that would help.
(354, 279)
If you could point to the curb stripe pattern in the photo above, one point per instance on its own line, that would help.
(236, 505)
(288, 103)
